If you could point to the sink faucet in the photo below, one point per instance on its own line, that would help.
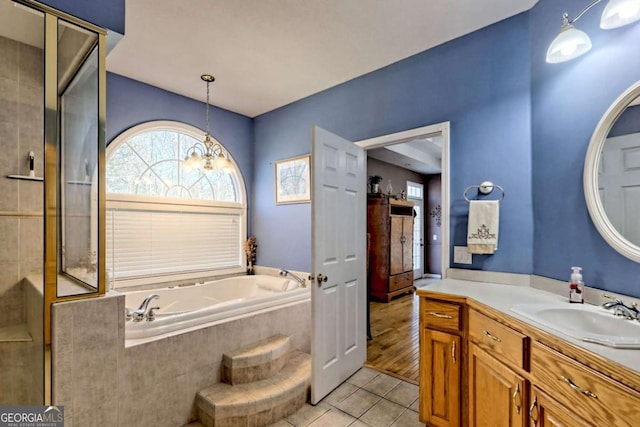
(630, 313)
(621, 309)
(610, 304)
(285, 273)
(144, 311)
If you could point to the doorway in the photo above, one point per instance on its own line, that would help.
(393, 344)
(415, 194)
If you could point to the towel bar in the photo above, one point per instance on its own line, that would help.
(485, 187)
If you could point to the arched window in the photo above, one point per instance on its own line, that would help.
(165, 221)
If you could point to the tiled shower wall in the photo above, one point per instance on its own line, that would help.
(21, 202)
(102, 383)
(21, 220)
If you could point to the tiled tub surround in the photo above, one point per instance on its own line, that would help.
(103, 383)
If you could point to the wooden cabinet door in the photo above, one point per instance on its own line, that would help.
(497, 395)
(395, 246)
(439, 378)
(407, 244)
(544, 411)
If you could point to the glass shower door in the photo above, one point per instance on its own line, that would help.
(21, 204)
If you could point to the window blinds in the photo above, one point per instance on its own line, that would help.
(142, 243)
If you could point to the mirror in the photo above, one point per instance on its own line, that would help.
(612, 174)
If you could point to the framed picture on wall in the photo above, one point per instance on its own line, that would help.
(293, 180)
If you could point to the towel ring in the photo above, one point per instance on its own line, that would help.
(485, 187)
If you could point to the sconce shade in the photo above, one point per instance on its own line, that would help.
(618, 13)
(567, 45)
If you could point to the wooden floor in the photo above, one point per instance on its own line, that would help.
(394, 328)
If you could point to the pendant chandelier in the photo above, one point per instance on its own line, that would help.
(208, 154)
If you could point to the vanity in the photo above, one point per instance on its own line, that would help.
(483, 364)
(507, 355)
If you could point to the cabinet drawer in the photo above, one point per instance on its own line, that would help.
(597, 398)
(400, 281)
(501, 341)
(440, 315)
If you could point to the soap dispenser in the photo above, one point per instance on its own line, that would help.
(575, 286)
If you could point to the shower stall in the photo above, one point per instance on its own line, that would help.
(52, 138)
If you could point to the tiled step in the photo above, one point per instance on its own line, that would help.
(257, 361)
(259, 403)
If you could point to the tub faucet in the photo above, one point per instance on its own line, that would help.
(143, 311)
(285, 273)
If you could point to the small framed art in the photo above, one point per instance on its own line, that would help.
(293, 180)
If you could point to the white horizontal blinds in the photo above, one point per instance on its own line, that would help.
(143, 243)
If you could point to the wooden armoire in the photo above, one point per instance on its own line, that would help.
(390, 228)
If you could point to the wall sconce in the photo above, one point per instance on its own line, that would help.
(571, 42)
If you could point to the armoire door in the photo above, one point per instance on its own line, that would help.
(396, 249)
(407, 244)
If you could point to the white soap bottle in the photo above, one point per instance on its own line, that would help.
(575, 286)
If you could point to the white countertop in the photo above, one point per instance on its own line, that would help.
(503, 297)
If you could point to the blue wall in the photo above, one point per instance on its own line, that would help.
(568, 100)
(130, 102)
(104, 13)
(515, 120)
(480, 83)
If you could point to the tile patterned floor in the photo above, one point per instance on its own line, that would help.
(368, 398)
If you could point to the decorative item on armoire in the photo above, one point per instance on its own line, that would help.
(374, 183)
(250, 247)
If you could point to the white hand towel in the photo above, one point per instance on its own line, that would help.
(484, 218)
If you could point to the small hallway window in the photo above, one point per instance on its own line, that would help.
(165, 221)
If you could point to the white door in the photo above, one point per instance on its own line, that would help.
(338, 295)
(415, 195)
(619, 181)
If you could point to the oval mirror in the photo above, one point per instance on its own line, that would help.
(612, 174)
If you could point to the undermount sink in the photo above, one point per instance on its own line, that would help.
(584, 322)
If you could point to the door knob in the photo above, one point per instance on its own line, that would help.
(322, 278)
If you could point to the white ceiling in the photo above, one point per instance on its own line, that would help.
(421, 155)
(269, 53)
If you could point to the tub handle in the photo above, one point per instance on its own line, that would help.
(151, 316)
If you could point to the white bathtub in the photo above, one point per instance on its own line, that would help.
(189, 307)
